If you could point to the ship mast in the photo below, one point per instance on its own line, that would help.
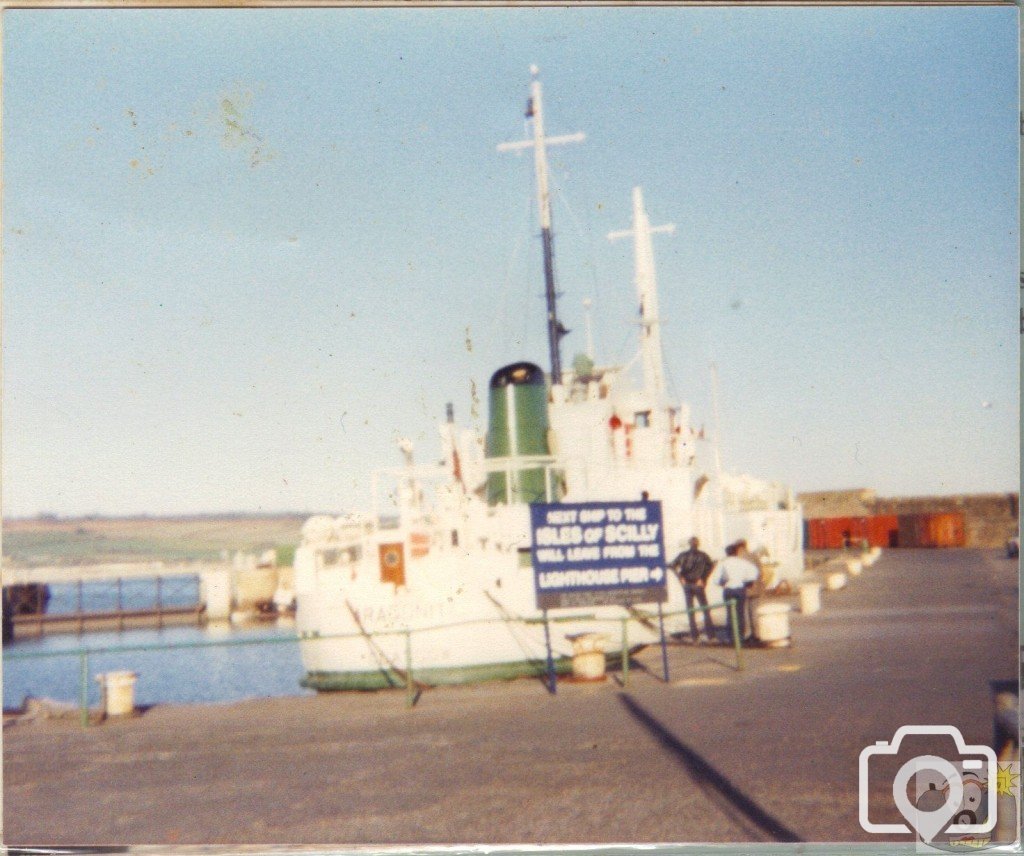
(647, 292)
(535, 111)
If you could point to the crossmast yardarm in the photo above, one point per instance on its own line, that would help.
(453, 567)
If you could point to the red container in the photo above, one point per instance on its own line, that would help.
(883, 530)
(817, 531)
(912, 530)
(946, 529)
(941, 529)
(886, 530)
(832, 533)
(813, 538)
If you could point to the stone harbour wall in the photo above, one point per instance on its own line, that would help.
(989, 518)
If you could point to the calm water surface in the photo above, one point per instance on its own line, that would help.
(135, 594)
(193, 674)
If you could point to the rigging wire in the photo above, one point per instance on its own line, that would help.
(586, 238)
(504, 334)
(673, 389)
(590, 197)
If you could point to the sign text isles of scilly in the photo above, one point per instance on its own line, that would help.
(598, 554)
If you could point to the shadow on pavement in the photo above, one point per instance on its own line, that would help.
(719, 789)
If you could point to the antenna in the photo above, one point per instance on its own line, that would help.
(587, 303)
(718, 427)
(717, 447)
(535, 111)
(647, 291)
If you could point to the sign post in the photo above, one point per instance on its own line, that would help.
(664, 648)
(598, 554)
(552, 678)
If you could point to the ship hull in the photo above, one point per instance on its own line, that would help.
(378, 639)
(432, 676)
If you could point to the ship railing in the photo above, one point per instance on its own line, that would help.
(405, 671)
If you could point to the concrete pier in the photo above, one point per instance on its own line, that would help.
(766, 754)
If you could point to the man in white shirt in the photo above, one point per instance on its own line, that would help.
(734, 574)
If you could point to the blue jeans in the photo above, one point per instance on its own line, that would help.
(694, 592)
(740, 596)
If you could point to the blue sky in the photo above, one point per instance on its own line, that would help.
(244, 251)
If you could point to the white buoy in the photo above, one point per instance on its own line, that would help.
(835, 581)
(588, 660)
(118, 693)
(810, 598)
(854, 567)
(771, 624)
(866, 559)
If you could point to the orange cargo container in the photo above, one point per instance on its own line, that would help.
(831, 533)
(824, 533)
(815, 537)
(912, 530)
(945, 529)
(883, 530)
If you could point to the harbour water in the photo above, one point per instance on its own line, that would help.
(197, 671)
(135, 594)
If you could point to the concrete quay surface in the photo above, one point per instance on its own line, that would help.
(766, 754)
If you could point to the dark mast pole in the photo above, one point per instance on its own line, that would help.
(555, 328)
(535, 111)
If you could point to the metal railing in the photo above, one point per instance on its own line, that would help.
(112, 600)
(84, 653)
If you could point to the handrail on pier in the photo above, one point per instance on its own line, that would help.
(84, 652)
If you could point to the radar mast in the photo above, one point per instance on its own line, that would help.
(539, 143)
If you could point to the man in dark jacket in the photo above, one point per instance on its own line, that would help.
(694, 566)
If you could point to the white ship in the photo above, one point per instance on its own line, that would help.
(445, 585)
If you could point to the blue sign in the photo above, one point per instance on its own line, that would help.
(598, 553)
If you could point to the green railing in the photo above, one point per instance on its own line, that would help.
(83, 653)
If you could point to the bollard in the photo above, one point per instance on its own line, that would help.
(771, 624)
(810, 598)
(588, 657)
(625, 651)
(737, 644)
(118, 696)
(835, 581)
